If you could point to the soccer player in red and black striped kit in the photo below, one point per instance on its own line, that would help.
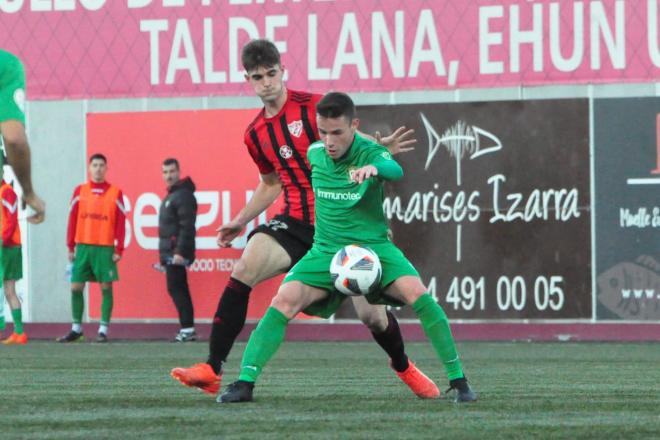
(278, 140)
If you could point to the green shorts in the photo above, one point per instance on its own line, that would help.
(314, 270)
(12, 263)
(12, 88)
(94, 263)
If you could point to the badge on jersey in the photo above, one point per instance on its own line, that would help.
(286, 152)
(295, 128)
(19, 99)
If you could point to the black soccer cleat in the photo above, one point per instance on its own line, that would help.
(101, 338)
(71, 337)
(463, 391)
(239, 391)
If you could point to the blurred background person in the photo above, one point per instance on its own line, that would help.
(12, 260)
(176, 244)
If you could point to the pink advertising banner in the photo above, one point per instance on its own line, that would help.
(137, 48)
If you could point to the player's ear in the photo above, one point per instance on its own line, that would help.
(355, 123)
(246, 76)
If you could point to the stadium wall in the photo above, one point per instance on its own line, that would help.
(88, 97)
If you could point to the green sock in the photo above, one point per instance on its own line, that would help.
(2, 323)
(77, 306)
(264, 342)
(436, 326)
(106, 306)
(17, 315)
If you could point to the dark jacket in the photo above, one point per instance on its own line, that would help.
(176, 222)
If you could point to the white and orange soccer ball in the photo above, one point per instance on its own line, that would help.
(355, 270)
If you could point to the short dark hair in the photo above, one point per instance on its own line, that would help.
(336, 104)
(260, 53)
(171, 161)
(97, 156)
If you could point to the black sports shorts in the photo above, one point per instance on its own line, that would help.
(295, 236)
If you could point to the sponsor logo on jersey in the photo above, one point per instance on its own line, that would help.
(19, 99)
(332, 195)
(295, 128)
(386, 155)
(286, 152)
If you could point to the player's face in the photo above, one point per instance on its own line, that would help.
(97, 170)
(337, 134)
(267, 82)
(170, 174)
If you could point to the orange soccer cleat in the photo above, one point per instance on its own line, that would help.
(16, 339)
(199, 376)
(419, 383)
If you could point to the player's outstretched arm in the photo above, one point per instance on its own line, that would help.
(400, 141)
(265, 194)
(18, 156)
(386, 169)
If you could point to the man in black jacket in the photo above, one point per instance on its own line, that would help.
(176, 245)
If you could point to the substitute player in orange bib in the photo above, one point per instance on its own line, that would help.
(95, 239)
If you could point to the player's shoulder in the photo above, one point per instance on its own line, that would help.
(301, 97)
(315, 151)
(369, 145)
(252, 125)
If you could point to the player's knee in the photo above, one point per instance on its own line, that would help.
(284, 305)
(244, 272)
(412, 294)
(287, 301)
(375, 321)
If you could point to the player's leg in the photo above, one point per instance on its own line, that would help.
(2, 312)
(177, 287)
(104, 270)
(262, 258)
(385, 330)
(81, 272)
(19, 336)
(107, 304)
(265, 340)
(77, 309)
(410, 290)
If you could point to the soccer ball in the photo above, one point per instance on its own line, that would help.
(355, 270)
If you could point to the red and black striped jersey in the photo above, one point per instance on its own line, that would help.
(280, 144)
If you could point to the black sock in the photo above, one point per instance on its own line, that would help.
(392, 342)
(228, 322)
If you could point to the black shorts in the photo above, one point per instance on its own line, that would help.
(295, 236)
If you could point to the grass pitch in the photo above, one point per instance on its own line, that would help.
(123, 390)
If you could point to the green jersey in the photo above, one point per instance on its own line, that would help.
(12, 91)
(12, 88)
(347, 212)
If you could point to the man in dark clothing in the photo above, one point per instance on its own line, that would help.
(176, 232)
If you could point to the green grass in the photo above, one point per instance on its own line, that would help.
(331, 390)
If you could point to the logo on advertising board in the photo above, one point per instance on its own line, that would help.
(209, 147)
(491, 209)
(628, 282)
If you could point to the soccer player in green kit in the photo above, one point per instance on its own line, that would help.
(348, 171)
(12, 130)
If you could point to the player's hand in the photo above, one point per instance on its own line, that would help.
(362, 174)
(398, 142)
(116, 257)
(37, 205)
(72, 256)
(178, 260)
(227, 233)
